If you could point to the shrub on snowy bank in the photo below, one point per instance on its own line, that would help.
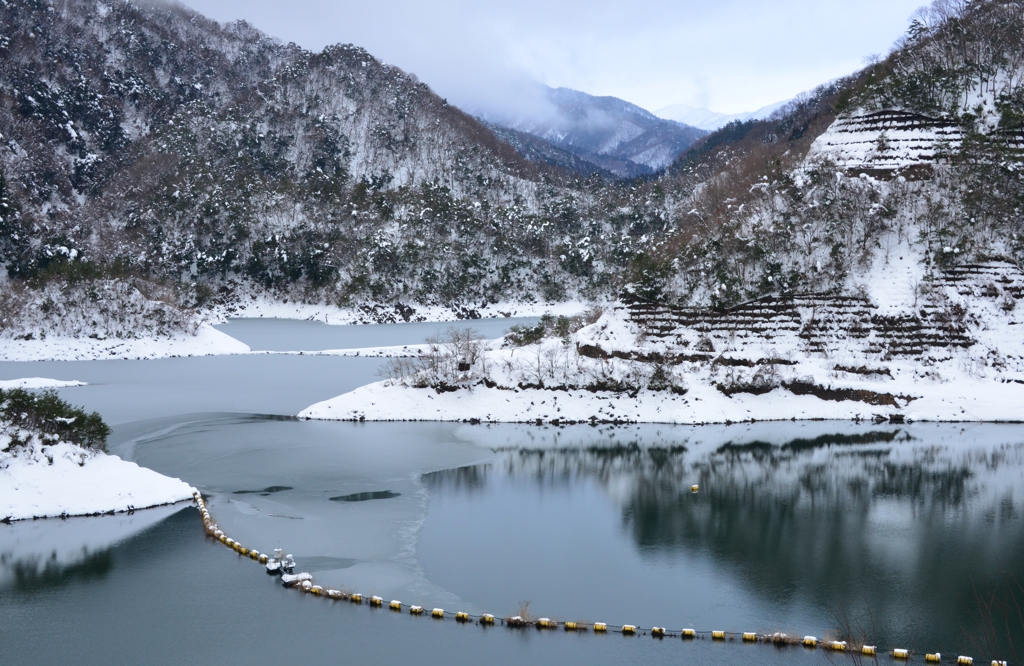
(25, 415)
(545, 356)
(450, 360)
(53, 463)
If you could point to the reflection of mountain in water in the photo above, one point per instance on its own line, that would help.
(906, 523)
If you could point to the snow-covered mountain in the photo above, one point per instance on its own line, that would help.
(709, 120)
(607, 132)
(156, 166)
(151, 153)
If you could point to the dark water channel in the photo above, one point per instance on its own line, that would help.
(886, 534)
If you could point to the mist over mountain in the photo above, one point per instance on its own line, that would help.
(709, 120)
(146, 145)
(154, 163)
(609, 133)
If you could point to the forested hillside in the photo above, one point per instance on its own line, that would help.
(155, 164)
(144, 144)
(769, 207)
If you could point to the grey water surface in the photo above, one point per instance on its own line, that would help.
(884, 534)
(295, 335)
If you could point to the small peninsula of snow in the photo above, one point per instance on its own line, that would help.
(40, 480)
(207, 341)
(38, 383)
(891, 350)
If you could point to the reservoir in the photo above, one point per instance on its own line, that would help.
(905, 536)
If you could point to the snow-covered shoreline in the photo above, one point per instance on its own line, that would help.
(208, 341)
(63, 480)
(953, 353)
(387, 314)
(963, 401)
(39, 383)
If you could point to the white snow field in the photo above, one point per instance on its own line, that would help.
(207, 341)
(42, 480)
(38, 383)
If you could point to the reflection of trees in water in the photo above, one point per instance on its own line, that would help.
(872, 518)
(36, 572)
(469, 479)
(32, 574)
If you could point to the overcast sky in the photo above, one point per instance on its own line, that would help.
(726, 55)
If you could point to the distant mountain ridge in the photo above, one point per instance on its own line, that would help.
(609, 133)
(709, 120)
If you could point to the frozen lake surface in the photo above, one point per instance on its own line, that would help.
(885, 532)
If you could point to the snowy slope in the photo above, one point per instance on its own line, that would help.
(608, 132)
(956, 354)
(888, 140)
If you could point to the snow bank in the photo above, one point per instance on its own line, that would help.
(40, 480)
(388, 314)
(953, 353)
(954, 401)
(207, 341)
(38, 383)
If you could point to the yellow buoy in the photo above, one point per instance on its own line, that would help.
(868, 650)
(933, 657)
(438, 613)
(395, 605)
(749, 636)
(571, 626)
(694, 488)
(600, 626)
(900, 653)
(546, 623)
(244, 552)
(376, 601)
(254, 554)
(264, 559)
(996, 662)
(462, 617)
(689, 633)
(965, 661)
(416, 610)
(658, 632)
(356, 598)
(486, 618)
(334, 594)
(839, 646)
(628, 629)
(718, 635)
(810, 641)
(317, 590)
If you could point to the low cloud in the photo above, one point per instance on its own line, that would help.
(731, 55)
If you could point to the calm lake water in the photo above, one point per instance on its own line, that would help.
(888, 534)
